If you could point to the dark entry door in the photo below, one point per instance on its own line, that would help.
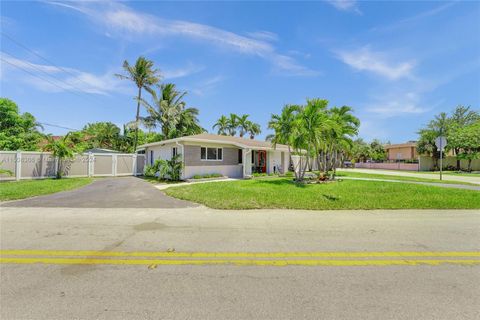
(262, 160)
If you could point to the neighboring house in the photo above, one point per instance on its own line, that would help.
(402, 151)
(210, 153)
(101, 150)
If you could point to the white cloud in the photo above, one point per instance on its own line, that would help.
(364, 59)
(120, 20)
(181, 72)
(56, 79)
(208, 85)
(264, 35)
(345, 5)
(397, 104)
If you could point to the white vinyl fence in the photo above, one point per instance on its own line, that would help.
(39, 165)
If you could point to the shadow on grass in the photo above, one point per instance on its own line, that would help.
(330, 198)
(281, 182)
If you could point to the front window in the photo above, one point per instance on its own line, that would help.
(211, 153)
(240, 156)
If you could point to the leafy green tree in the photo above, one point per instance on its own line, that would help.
(467, 141)
(17, 131)
(360, 151)
(461, 117)
(377, 151)
(102, 135)
(222, 125)
(144, 76)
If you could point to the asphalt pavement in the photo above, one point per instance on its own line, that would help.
(198, 263)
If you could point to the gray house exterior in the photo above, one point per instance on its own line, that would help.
(230, 156)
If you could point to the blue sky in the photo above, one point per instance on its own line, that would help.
(395, 63)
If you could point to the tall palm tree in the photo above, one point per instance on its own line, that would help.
(169, 112)
(253, 129)
(345, 128)
(284, 127)
(222, 124)
(232, 124)
(243, 124)
(144, 76)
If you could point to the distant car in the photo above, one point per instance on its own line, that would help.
(348, 164)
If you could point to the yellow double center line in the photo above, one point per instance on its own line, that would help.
(240, 258)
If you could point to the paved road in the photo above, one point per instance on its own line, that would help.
(124, 192)
(434, 184)
(450, 177)
(65, 289)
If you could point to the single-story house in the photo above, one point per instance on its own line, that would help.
(402, 151)
(233, 157)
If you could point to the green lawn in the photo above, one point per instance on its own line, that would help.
(352, 174)
(347, 194)
(28, 188)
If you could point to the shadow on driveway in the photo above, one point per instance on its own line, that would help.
(120, 192)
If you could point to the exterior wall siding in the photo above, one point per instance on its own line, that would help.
(402, 153)
(192, 156)
(231, 171)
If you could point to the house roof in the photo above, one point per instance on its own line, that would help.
(215, 138)
(100, 150)
(401, 145)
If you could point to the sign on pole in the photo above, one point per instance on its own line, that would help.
(441, 142)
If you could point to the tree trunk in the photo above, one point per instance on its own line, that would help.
(136, 119)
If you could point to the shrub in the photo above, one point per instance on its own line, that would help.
(150, 171)
(208, 175)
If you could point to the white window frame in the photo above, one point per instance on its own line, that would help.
(206, 154)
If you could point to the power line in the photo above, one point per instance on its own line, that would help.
(46, 73)
(57, 126)
(42, 78)
(88, 94)
(41, 57)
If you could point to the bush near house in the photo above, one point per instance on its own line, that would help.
(206, 176)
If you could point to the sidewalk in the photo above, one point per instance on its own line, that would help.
(450, 177)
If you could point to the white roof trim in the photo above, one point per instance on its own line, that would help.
(188, 139)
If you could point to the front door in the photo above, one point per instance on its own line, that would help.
(262, 161)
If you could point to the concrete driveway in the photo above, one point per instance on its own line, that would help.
(120, 192)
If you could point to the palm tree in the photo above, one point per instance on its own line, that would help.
(345, 128)
(253, 129)
(61, 149)
(243, 124)
(188, 123)
(222, 124)
(232, 124)
(144, 76)
(169, 112)
(284, 127)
